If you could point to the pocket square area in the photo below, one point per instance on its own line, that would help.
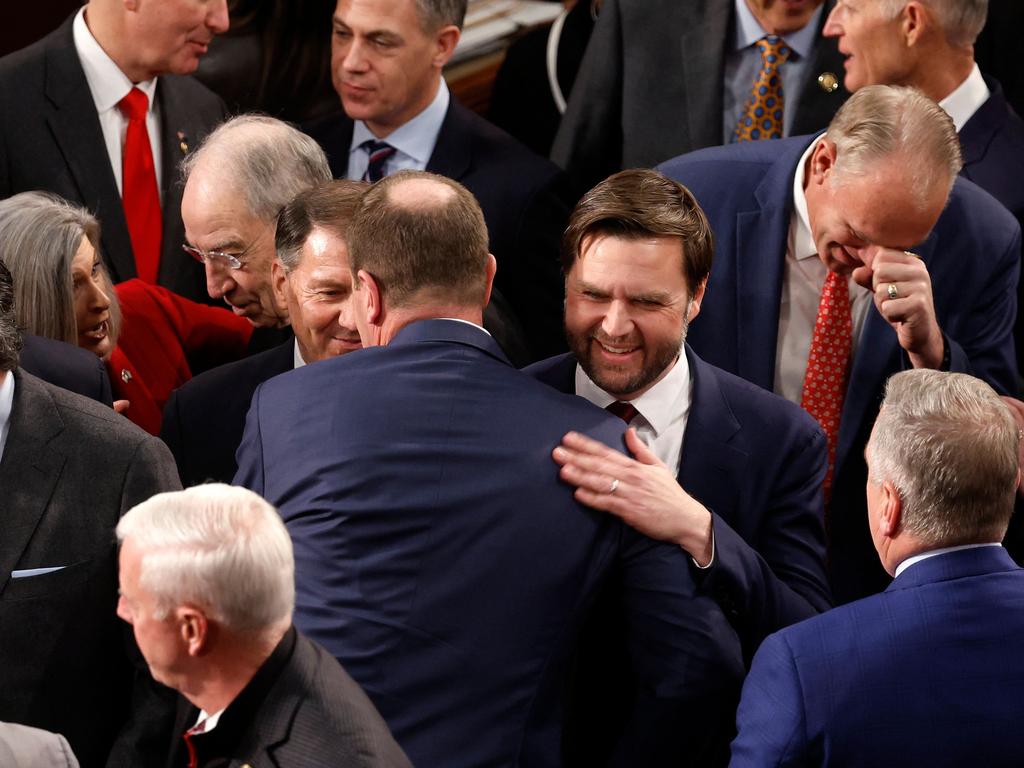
(29, 572)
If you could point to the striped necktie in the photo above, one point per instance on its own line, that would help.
(380, 152)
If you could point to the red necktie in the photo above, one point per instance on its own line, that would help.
(139, 193)
(195, 730)
(625, 411)
(825, 379)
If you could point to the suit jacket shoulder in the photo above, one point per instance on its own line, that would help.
(993, 150)
(25, 747)
(67, 366)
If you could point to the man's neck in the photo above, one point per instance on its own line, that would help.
(937, 82)
(397, 319)
(108, 31)
(226, 671)
(383, 130)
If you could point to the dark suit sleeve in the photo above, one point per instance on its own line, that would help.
(588, 144)
(771, 719)
(686, 658)
(152, 471)
(250, 451)
(171, 434)
(783, 580)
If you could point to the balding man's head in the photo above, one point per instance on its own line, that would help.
(424, 240)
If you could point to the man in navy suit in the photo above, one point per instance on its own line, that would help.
(930, 44)
(930, 671)
(863, 202)
(386, 60)
(730, 473)
(437, 554)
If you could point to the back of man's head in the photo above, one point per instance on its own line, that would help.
(220, 548)
(961, 21)
(10, 337)
(423, 239)
(882, 122)
(948, 445)
(264, 160)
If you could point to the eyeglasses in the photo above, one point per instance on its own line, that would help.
(209, 257)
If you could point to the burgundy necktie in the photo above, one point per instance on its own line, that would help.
(625, 411)
(825, 379)
(140, 195)
(195, 730)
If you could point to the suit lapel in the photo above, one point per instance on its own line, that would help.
(816, 105)
(453, 152)
(703, 59)
(709, 466)
(29, 470)
(76, 130)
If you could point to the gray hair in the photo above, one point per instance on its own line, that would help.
(883, 121)
(434, 14)
(39, 236)
(10, 337)
(265, 160)
(961, 20)
(330, 206)
(948, 445)
(219, 547)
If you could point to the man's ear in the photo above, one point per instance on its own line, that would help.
(279, 280)
(446, 39)
(914, 22)
(823, 161)
(370, 294)
(193, 628)
(492, 270)
(698, 296)
(892, 511)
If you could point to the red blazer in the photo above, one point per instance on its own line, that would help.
(161, 331)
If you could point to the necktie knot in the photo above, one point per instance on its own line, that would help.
(379, 152)
(625, 411)
(135, 105)
(774, 50)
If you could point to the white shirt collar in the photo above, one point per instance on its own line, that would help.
(802, 246)
(968, 97)
(925, 555)
(415, 138)
(749, 31)
(6, 404)
(209, 721)
(659, 405)
(107, 83)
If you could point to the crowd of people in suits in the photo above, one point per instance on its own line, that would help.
(380, 439)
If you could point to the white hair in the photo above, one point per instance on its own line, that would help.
(267, 161)
(218, 547)
(961, 20)
(887, 121)
(948, 444)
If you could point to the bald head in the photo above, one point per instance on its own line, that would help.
(423, 239)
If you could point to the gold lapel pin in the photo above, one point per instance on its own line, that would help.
(183, 142)
(828, 82)
(126, 375)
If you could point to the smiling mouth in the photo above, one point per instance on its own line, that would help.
(98, 332)
(616, 349)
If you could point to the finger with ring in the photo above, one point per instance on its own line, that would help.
(614, 486)
(893, 291)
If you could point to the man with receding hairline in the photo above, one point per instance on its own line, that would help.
(438, 555)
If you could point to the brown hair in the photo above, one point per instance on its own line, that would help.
(421, 240)
(640, 203)
(330, 206)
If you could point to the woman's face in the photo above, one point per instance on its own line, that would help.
(92, 305)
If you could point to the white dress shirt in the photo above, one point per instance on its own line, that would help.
(6, 403)
(108, 85)
(743, 63)
(661, 411)
(413, 141)
(968, 97)
(925, 555)
(803, 278)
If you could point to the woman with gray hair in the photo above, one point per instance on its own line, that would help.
(144, 333)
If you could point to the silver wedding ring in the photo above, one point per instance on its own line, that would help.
(614, 486)
(893, 292)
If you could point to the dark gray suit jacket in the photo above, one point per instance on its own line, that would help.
(650, 87)
(50, 139)
(70, 468)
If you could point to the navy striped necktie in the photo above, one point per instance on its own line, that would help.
(380, 152)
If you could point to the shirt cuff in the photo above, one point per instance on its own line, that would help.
(712, 560)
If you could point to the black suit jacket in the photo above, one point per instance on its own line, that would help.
(650, 87)
(72, 368)
(300, 710)
(204, 419)
(50, 139)
(524, 201)
(70, 468)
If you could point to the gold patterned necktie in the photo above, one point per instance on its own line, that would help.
(762, 114)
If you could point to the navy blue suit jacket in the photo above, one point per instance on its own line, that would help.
(973, 258)
(928, 673)
(757, 462)
(439, 557)
(524, 201)
(75, 369)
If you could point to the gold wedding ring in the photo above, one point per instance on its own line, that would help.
(893, 292)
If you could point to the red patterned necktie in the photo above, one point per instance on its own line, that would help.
(140, 195)
(762, 114)
(625, 411)
(825, 379)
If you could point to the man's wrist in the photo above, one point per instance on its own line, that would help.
(701, 547)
